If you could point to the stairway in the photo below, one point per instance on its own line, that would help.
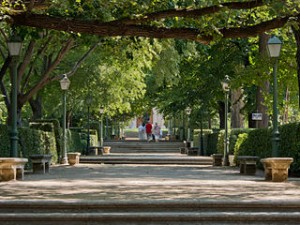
(137, 152)
(161, 212)
(144, 147)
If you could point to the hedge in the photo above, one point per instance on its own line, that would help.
(42, 138)
(259, 142)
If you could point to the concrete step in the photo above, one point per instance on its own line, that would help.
(147, 159)
(144, 147)
(149, 212)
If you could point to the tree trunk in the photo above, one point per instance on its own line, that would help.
(237, 119)
(262, 90)
(36, 107)
(296, 32)
(222, 114)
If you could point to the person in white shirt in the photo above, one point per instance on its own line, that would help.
(142, 133)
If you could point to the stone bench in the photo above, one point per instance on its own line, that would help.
(247, 164)
(41, 163)
(12, 168)
(217, 159)
(276, 168)
(182, 150)
(192, 151)
(73, 158)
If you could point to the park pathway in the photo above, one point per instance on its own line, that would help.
(148, 194)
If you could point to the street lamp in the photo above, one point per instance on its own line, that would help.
(226, 89)
(101, 126)
(64, 85)
(274, 47)
(88, 102)
(14, 46)
(188, 111)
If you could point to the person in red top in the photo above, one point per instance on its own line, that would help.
(149, 131)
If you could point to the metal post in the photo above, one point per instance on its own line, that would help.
(201, 138)
(101, 132)
(226, 139)
(14, 99)
(64, 158)
(88, 132)
(189, 129)
(275, 134)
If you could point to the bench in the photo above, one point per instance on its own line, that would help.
(73, 158)
(247, 164)
(192, 151)
(41, 163)
(217, 159)
(276, 168)
(12, 168)
(182, 150)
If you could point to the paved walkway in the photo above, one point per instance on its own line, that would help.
(152, 182)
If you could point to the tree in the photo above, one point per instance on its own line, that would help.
(197, 21)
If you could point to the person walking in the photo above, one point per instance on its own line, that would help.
(141, 129)
(149, 131)
(156, 132)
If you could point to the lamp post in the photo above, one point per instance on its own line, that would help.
(188, 111)
(101, 126)
(14, 46)
(64, 85)
(88, 142)
(226, 88)
(274, 47)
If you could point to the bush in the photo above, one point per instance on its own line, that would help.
(212, 142)
(196, 138)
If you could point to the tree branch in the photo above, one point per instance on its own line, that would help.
(189, 13)
(46, 77)
(106, 29)
(26, 60)
(77, 64)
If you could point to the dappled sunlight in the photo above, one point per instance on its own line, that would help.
(125, 182)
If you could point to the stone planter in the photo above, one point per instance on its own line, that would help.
(276, 169)
(231, 160)
(217, 159)
(106, 149)
(73, 158)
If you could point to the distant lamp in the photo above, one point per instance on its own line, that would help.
(225, 84)
(274, 47)
(188, 111)
(14, 45)
(65, 83)
(101, 110)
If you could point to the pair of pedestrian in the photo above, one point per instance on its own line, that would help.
(153, 133)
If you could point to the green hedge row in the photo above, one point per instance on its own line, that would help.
(259, 142)
(31, 141)
(255, 142)
(44, 139)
